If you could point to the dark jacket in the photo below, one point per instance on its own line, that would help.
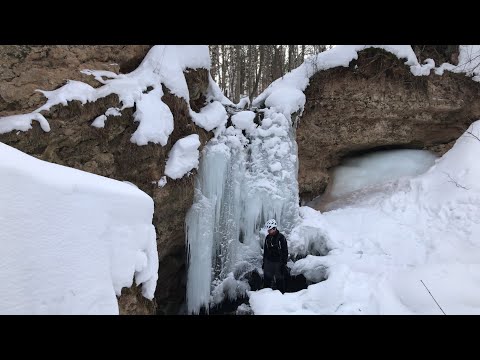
(275, 248)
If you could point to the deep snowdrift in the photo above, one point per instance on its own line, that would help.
(385, 253)
(70, 240)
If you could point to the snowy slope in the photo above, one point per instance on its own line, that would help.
(70, 240)
(384, 255)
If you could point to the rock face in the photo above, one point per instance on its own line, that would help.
(73, 142)
(25, 68)
(376, 103)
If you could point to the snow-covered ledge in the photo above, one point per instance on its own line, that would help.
(70, 240)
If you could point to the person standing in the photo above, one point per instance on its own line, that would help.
(275, 256)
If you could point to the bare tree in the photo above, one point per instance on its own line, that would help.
(224, 70)
(249, 69)
(238, 73)
(259, 72)
(290, 57)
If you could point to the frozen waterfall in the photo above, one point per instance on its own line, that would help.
(247, 174)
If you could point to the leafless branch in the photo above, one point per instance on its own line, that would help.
(453, 181)
(470, 60)
(433, 297)
(475, 136)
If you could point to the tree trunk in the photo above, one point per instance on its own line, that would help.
(224, 71)
(259, 72)
(249, 73)
(290, 57)
(237, 72)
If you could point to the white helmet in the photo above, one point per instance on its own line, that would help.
(270, 224)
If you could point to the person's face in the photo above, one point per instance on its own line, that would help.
(271, 231)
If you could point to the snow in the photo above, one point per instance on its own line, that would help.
(155, 117)
(70, 240)
(229, 289)
(192, 56)
(378, 168)
(244, 121)
(381, 252)
(286, 100)
(215, 93)
(244, 102)
(113, 112)
(162, 182)
(310, 236)
(211, 116)
(166, 64)
(183, 157)
(100, 74)
(72, 90)
(130, 183)
(22, 122)
(276, 166)
(243, 309)
(99, 121)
